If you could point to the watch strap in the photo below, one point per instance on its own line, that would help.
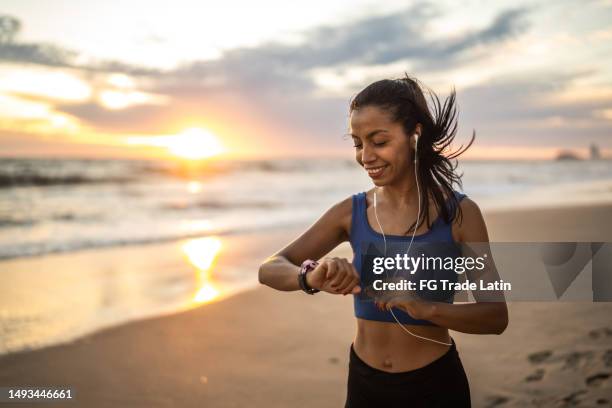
(307, 266)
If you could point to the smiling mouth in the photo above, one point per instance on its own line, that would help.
(376, 171)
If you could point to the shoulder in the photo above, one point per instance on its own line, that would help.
(470, 226)
(343, 207)
(340, 214)
(368, 195)
(467, 204)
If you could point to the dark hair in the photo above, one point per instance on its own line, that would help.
(403, 98)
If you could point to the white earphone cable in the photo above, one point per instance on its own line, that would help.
(416, 174)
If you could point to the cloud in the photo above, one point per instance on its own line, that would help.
(369, 41)
(52, 55)
(55, 56)
(134, 119)
(508, 24)
(517, 110)
(275, 81)
(36, 54)
(277, 67)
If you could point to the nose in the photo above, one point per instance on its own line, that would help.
(367, 154)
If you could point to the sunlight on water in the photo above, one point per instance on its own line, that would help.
(194, 187)
(206, 294)
(201, 253)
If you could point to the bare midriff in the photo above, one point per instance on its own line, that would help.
(387, 347)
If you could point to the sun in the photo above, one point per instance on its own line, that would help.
(192, 143)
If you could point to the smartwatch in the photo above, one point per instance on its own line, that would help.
(307, 266)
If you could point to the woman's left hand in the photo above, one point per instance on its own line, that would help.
(415, 307)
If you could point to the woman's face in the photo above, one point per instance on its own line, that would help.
(382, 147)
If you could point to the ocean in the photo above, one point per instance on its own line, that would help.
(49, 206)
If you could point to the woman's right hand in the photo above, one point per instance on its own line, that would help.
(334, 275)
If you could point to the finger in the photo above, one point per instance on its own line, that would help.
(340, 274)
(350, 268)
(331, 269)
(349, 273)
(348, 279)
(397, 303)
(349, 287)
(352, 283)
(390, 304)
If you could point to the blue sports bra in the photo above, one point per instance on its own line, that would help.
(366, 243)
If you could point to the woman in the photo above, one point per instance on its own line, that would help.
(402, 354)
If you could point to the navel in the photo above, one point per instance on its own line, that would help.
(387, 363)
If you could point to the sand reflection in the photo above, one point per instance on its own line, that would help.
(201, 253)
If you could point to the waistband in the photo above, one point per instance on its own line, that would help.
(442, 363)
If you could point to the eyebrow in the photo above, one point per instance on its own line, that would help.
(372, 133)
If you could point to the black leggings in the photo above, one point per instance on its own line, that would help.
(441, 383)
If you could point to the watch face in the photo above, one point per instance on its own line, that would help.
(307, 265)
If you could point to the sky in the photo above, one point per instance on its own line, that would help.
(275, 78)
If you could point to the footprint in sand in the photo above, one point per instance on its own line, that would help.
(572, 399)
(539, 357)
(537, 375)
(576, 358)
(597, 380)
(607, 358)
(493, 401)
(571, 359)
(600, 333)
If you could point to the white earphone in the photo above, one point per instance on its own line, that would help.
(416, 174)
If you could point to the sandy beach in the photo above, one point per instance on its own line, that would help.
(255, 348)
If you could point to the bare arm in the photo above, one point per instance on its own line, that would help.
(279, 273)
(474, 318)
(280, 270)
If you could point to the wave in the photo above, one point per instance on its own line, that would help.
(39, 249)
(48, 172)
(220, 205)
(11, 222)
(24, 180)
(16, 221)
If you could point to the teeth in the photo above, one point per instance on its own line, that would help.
(375, 169)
